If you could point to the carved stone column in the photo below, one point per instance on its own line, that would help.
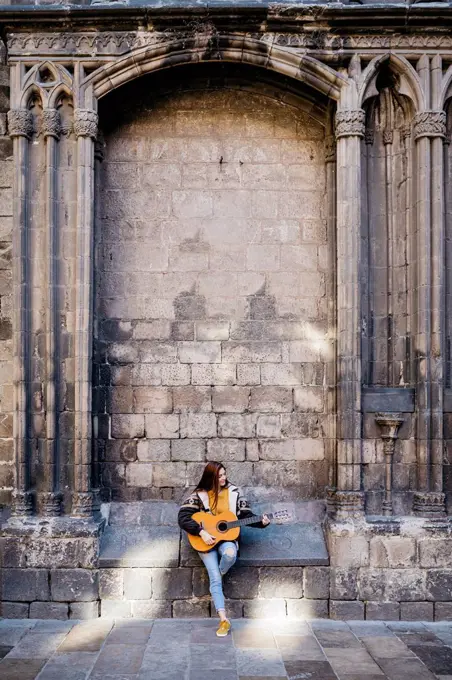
(348, 497)
(429, 132)
(20, 125)
(389, 424)
(85, 128)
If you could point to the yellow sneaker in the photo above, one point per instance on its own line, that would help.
(223, 629)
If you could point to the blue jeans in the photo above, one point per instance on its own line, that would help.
(216, 568)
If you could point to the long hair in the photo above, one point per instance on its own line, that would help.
(210, 480)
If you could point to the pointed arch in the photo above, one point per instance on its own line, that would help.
(410, 84)
(225, 49)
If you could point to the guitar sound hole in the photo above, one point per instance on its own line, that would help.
(222, 527)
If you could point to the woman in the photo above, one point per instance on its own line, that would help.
(216, 495)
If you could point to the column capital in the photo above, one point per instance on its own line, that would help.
(51, 123)
(350, 123)
(85, 123)
(429, 504)
(20, 123)
(82, 504)
(429, 124)
(389, 424)
(345, 504)
(50, 503)
(22, 503)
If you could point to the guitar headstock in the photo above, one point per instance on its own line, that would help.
(281, 517)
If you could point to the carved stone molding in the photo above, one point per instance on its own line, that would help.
(429, 124)
(330, 149)
(50, 503)
(429, 504)
(350, 123)
(85, 123)
(389, 424)
(369, 135)
(22, 504)
(345, 504)
(388, 137)
(20, 123)
(82, 504)
(51, 123)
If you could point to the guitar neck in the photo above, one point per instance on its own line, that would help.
(248, 520)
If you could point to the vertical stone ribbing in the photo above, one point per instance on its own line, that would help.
(20, 124)
(429, 131)
(85, 127)
(350, 125)
(50, 500)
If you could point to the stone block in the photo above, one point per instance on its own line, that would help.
(200, 582)
(281, 374)
(169, 474)
(382, 611)
(269, 425)
(52, 553)
(137, 584)
(416, 611)
(271, 399)
(242, 583)
(226, 450)
(22, 585)
(198, 425)
(172, 584)
(435, 552)
(392, 551)
(127, 426)
(248, 374)
(252, 450)
(145, 609)
(317, 583)
(139, 474)
(200, 352)
(342, 610)
(154, 450)
(343, 583)
(213, 374)
(120, 400)
(307, 609)
(292, 449)
(251, 352)
(162, 426)
(191, 609)
(188, 450)
(152, 330)
(14, 610)
(122, 353)
(234, 609)
(281, 582)
(227, 399)
(121, 450)
(443, 611)
(141, 374)
(152, 400)
(158, 352)
(115, 609)
(175, 374)
(309, 399)
(49, 610)
(84, 610)
(191, 398)
(393, 585)
(349, 551)
(264, 609)
(76, 585)
(183, 330)
(438, 585)
(237, 425)
(212, 330)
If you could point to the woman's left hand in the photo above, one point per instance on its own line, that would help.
(265, 520)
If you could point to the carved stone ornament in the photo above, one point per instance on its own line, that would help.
(85, 123)
(82, 504)
(429, 504)
(430, 124)
(51, 123)
(22, 504)
(350, 123)
(369, 135)
(50, 504)
(20, 123)
(345, 504)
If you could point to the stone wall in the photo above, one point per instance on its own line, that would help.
(211, 282)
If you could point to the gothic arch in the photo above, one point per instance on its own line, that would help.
(225, 48)
(410, 84)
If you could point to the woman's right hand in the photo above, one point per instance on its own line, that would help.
(206, 537)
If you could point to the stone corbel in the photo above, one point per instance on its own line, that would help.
(389, 424)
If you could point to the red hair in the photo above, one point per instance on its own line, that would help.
(210, 479)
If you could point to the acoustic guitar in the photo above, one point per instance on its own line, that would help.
(226, 526)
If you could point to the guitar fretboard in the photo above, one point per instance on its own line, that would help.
(247, 520)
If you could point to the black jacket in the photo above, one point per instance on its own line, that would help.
(199, 501)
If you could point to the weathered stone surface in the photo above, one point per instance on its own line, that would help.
(281, 582)
(438, 585)
(264, 609)
(393, 585)
(14, 610)
(49, 610)
(287, 545)
(84, 610)
(349, 551)
(416, 611)
(137, 584)
(343, 583)
(171, 584)
(392, 551)
(78, 585)
(226, 450)
(22, 585)
(188, 450)
(346, 610)
(443, 611)
(140, 547)
(435, 552)
(144, 609)
(111, 584)
(317, 583)
(382, 611)
(241, 584)
(307, 609)
(190, 609)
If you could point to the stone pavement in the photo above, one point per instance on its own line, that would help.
(175, 649)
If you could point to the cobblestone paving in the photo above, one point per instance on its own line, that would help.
(125, 649)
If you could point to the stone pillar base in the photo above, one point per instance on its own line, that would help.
(22, 504)
(345, 504)
(50, 503)
(429, 504)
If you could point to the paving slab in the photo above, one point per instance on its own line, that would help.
(314, 670)
(120, 658)
(36, 646)
(20, 669)
(261, 662)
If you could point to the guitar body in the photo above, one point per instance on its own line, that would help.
(213, 525)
